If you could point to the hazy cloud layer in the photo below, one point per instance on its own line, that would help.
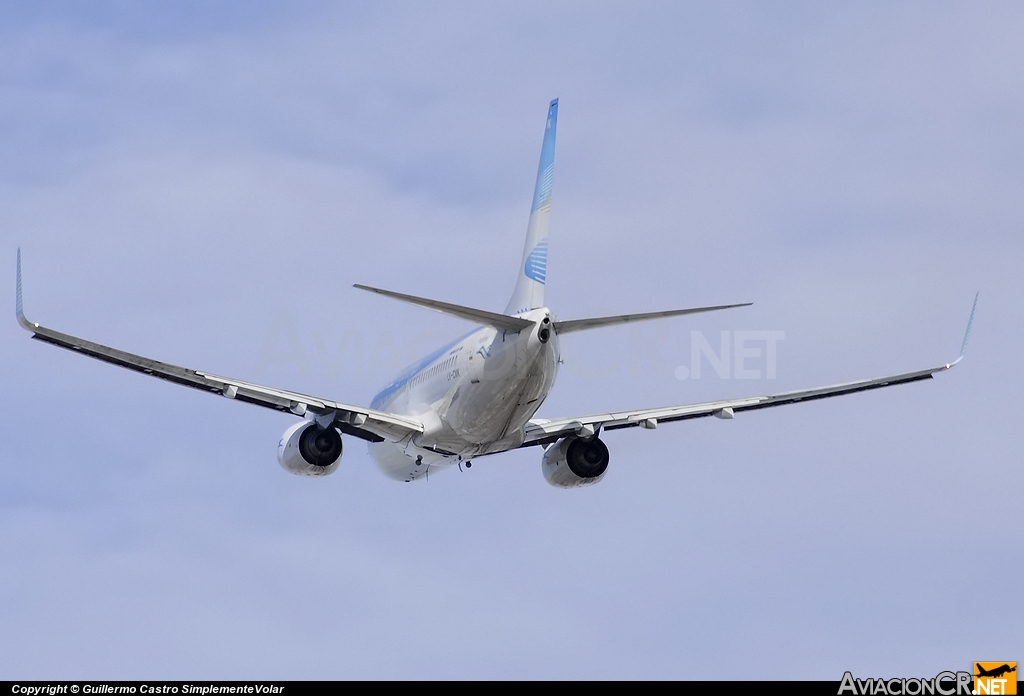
(203, 184)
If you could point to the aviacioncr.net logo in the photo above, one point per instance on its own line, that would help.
(995, 678)
(943, 684)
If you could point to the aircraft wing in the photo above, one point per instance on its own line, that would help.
(364, 423)
(545, 431)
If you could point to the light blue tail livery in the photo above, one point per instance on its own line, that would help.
(537, 263)
(529, 292)
(546, 170)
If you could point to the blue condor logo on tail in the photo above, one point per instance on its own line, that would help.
(537, 263)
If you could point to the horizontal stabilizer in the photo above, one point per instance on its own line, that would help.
(562, 327)
(478, 316)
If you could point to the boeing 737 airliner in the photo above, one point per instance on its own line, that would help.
(475, 396)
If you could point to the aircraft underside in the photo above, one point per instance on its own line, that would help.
(476, 396)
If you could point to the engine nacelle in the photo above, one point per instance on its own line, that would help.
(306, 449)
(575, 461)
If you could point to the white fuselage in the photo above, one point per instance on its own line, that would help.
(473, 396)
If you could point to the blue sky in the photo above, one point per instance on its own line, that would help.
(202, 183)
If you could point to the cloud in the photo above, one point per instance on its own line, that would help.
(180, 179)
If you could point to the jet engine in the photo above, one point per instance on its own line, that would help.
(575, 461)
(306, 449)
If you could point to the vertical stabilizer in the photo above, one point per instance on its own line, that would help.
(529, 292)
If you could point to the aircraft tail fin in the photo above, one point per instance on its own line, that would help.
(529, 291)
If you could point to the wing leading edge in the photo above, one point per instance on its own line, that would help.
(543, 431)
(364, 423)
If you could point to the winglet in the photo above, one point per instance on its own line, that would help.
(967, 333)
(19, 309)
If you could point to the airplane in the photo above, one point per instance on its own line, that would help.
(995, 672)
(476, 396)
